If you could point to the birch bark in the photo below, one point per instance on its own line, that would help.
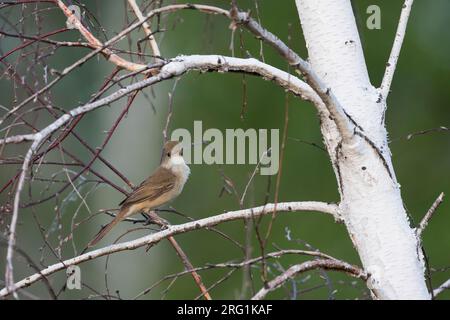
(371, 203)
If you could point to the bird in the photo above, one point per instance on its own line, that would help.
(164, 185)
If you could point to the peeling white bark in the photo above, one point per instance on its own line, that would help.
(371, 202)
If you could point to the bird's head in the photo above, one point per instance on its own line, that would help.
(173, 154)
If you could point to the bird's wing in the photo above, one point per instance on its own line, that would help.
(160, 182)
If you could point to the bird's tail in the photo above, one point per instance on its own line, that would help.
(119, 217)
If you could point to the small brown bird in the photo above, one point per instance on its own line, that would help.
(165, 184)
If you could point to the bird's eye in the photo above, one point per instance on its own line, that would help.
(168, 154)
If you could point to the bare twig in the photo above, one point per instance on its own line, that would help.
(265, 153)
(422, 132)
(423, 224)
(396, 47)
(188, 265)
(301, 66)
(34, 266)
(277, 185)
(112, 57)
(328, 264)
(442, 288)
(169, 111)
(9, 277)
(221, 280)
(146, 27)
(236, 265)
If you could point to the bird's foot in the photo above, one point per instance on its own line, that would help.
(153, 218)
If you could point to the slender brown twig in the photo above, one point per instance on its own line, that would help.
(189, 267)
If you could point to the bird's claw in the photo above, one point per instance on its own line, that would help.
(153, 218)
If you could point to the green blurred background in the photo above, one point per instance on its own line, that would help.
(419, 100)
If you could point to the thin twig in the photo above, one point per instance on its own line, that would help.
(423, 224)
(301, 66)
(147, 30)
(236, 265)
(169, 111)
(112, 57)
(442, 288)
(9, 277)
(188, 265)
(265, 153)
(327, 264)
(396, 47)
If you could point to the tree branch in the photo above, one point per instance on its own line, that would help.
(188, 266)
(423, 224)
(327, 264)
(9, 276)
(112, 57)
(237, 265)
(112, 41)
(442, 288)
(396, 47)
(333, 105)
(178, 66)
(146, 27)
(18, 139)
(172, 230)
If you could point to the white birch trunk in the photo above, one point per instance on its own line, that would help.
(371, 203)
